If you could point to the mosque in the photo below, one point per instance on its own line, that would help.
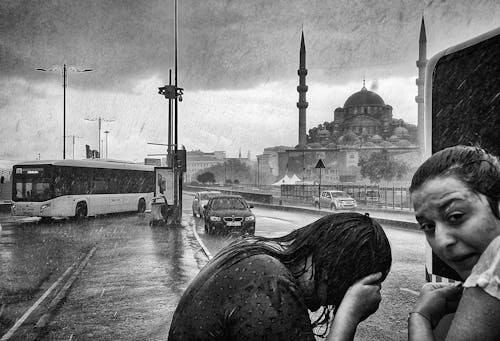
(363, 125)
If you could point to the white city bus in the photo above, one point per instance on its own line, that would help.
(80, 188)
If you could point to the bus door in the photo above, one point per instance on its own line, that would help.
(462, 106)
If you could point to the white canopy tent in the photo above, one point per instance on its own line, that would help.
(286, 180)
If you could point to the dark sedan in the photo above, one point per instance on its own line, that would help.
(229, 213)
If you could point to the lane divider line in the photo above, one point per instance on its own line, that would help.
(23, 318)
(42, 322)
(205, 249)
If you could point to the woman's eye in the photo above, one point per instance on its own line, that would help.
(455, 217)
(427, 227)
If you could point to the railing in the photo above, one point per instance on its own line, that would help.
(370, 196)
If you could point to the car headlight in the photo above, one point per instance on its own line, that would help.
(214, 218)
(250, 218)
(44, 206)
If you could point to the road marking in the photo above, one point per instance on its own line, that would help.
(23, 318)
(413, 292)
(205, 249)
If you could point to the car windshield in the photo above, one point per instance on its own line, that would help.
(339, 194)
(228, 203)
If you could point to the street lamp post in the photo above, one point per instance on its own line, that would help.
(106, 132)
(99, 120)
(65, 68)
(258, 175)
(73, 137)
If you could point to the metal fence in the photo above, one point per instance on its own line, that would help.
(385, 197)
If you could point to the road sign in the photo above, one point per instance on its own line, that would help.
(320, 164)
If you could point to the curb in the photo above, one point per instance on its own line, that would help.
(205, 249)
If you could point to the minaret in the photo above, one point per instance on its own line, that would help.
(302, 89)
(421, 64)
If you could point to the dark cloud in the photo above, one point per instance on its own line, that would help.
(228, 44)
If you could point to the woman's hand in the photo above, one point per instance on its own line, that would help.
(362, 298)
(437, 300)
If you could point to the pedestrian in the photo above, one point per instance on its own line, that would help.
(261, 288)
(456, 196)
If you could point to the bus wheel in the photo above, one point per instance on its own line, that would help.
(141, 207)
(81, 210)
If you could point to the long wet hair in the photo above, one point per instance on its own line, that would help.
(343, 247)
(473, 166)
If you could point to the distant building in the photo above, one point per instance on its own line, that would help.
(197, 161)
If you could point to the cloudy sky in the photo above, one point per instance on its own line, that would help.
(237, 61)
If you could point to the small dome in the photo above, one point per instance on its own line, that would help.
(393, 138)
(324, 132)
(300, 146)
(331, 145)
(404, 143)
(314, 145)
(349, 139)
(376, 138)
(401, 132)
(386, 144)
(369, 145)
(364, 98)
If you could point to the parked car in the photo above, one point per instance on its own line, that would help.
(335, 200)
(226, 213)
(370, 197)
(200, 200)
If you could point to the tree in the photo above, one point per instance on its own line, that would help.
(232, 169)
(382, 166)
(206, 177)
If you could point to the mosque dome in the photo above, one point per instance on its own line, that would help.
(376, 138)
(364, 97)
(369, 145)
(331, 145)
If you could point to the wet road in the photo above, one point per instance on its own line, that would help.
(132, 283)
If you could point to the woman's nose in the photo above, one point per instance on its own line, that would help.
(444, 237)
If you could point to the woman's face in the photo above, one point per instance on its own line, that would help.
(458, 223)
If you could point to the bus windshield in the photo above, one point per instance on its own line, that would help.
(32, 184)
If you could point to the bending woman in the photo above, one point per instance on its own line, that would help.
(456, 195)
(262, 288)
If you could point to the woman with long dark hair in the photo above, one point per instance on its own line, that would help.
(263, 288)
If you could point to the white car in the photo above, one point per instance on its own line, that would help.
(200, 200)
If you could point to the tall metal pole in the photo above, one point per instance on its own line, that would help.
(169, 157)
(258, 175)
(99, 120)
(64, 111)
(177, 188)
(106, 132)
(319, 190)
